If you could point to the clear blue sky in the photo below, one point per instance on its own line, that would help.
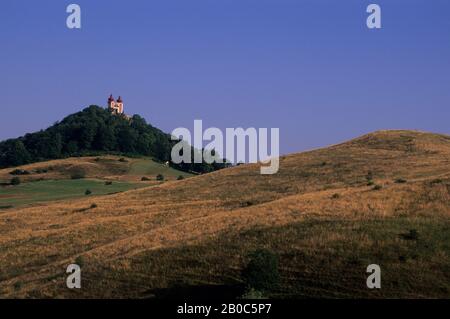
(311, 68)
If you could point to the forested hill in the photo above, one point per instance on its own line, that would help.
(92, 131)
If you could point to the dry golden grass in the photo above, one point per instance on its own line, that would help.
(198, 230)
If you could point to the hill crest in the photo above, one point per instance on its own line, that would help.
(91, 132)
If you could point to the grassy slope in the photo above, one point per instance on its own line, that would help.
(104, 167)
(148, 168)
(50, 180)
(198, 231)
(50, 190)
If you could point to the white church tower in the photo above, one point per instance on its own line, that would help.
(116, 107)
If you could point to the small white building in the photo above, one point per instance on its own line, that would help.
(116, 107)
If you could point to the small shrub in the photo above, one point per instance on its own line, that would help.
(144, 179)
(160, 177)
(41, 170)
(85, 209)
(261, 273)
(18, 285)
(79, 261)
(369, 176)
(335, 196)
(97, 159)
(413, 234)
(247, 203)
(107, 183)
(180, 177)
(15, 181)
(436, 181)
(78, 174)
(323, 164)
(400, 181)
(19, 172)
(377, 187)
(370, 183)
(123, 160)
(88, 192)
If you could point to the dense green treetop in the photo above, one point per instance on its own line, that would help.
(93, 131)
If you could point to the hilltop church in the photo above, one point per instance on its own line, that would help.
(115, 107)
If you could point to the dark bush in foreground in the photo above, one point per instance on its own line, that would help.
(15, 181)
(108, 183)
(180, 177)
(88, 192)
(144, 179)
(160, 177)
(400, 181)
(261, 273)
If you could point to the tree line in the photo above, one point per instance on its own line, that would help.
(94, 131)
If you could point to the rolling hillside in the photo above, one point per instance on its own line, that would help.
(70, 178)
(328, 214)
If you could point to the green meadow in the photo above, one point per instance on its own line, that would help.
(149, 167)
(50, 190)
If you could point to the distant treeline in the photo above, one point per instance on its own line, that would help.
(94, 131)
